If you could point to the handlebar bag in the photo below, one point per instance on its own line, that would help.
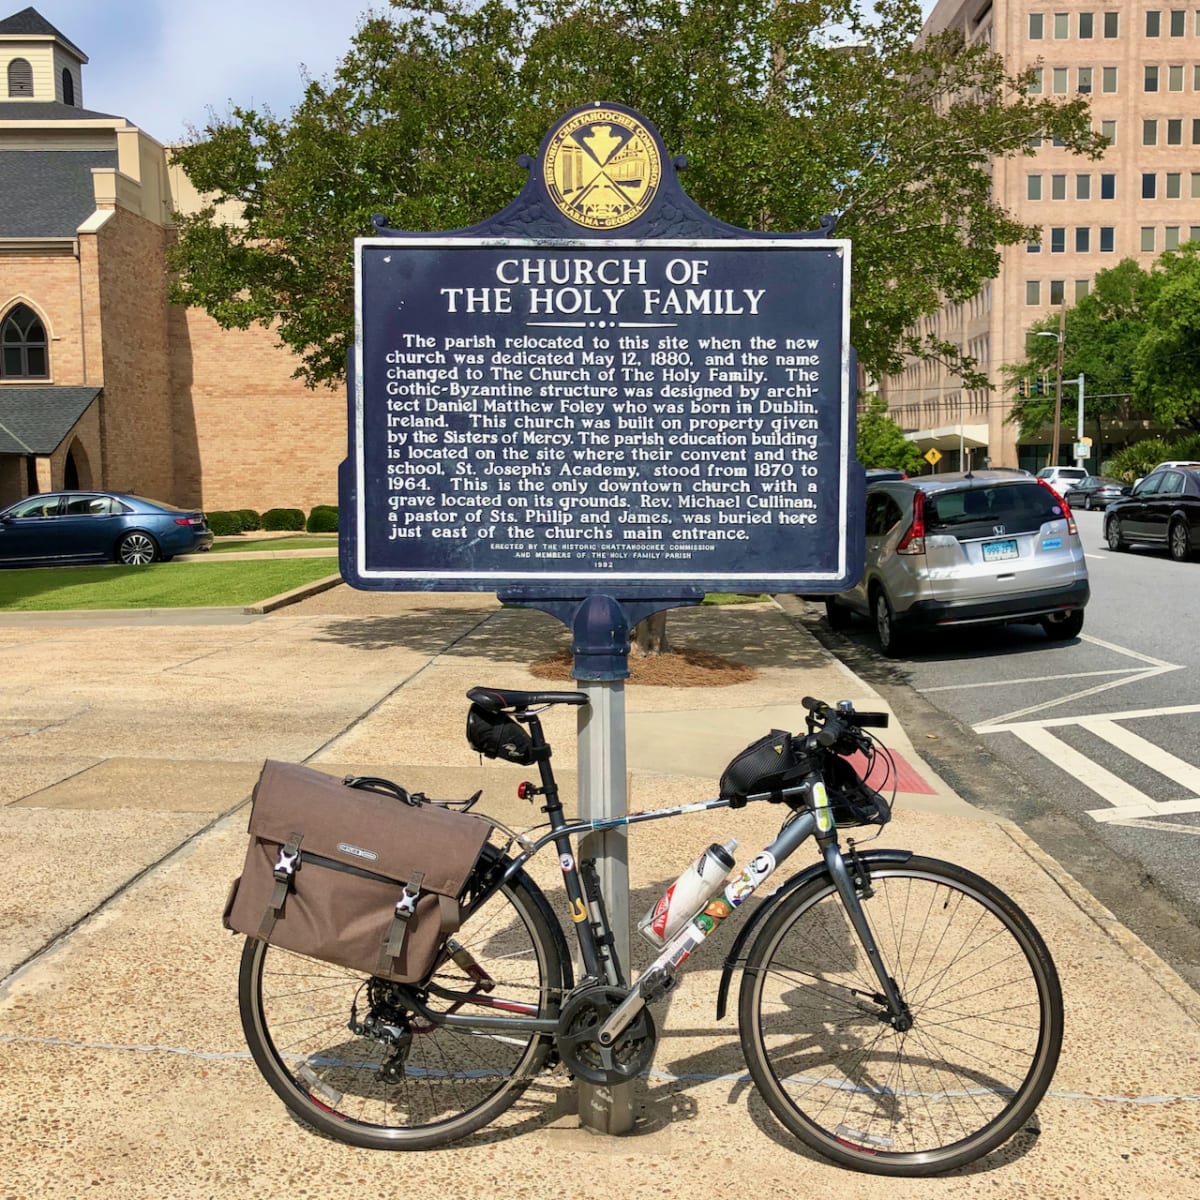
(352, 875)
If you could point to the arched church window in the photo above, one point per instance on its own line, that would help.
(68, 88)
(20, 78)
(23, 345)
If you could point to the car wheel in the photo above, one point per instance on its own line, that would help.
(1062, 625)
(136, 549)
(885, 625)
(1179, 539)
(1112, 534)
(838, 617)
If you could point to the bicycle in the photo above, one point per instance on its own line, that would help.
(899, 1015)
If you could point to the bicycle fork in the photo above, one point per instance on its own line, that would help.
(660, 976)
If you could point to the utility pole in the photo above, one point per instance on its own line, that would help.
(1061, 337)
(1079, 462)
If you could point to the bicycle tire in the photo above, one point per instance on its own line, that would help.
(987, 1020)
(295, 1012)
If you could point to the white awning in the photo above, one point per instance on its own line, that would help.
(950, 437)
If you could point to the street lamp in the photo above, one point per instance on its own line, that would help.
(1059, 336)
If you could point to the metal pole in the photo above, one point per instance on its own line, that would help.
(1079, 425)
(1062, 324)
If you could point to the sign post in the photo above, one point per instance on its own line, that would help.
(602, 402)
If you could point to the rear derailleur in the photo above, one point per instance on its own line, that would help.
(386, 1022)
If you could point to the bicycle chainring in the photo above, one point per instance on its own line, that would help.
(583, 1013)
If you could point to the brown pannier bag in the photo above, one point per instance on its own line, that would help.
(352, 876)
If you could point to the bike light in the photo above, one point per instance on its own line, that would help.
(526, 791)
(913, 541)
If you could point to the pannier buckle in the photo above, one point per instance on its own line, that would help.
(407, 904)
(285, 864)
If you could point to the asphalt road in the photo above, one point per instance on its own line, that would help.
(1092, 745)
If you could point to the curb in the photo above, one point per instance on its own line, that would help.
(285, 598)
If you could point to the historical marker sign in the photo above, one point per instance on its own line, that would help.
(602, 411)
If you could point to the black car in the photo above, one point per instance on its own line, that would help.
(1095, 491)
(1163, 509)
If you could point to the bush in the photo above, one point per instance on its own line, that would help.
(291, 519)
(224, 524)
(323, 519)
(250, 519)
(1142, 457)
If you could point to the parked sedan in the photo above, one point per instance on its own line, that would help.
(1163, 509)
(65, 527)
(1095, 491)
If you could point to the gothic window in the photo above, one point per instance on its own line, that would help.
(20, 78)
(68, 87)
(23, 345)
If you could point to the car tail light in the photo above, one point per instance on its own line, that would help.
(193, 520)
(913, 541)
(1066, 508)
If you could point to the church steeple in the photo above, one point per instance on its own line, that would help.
(37, 62)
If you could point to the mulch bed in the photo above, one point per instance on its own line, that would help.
(678, 668)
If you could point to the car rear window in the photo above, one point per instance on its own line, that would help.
(1017, 506)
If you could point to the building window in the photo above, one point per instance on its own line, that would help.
(1174, 185)
(1150, 133)
(1058, 187)
(1108, 79)
(1147, 238)
(1083, 187)
(1175, 78)
(1178, 21)
(1058, 239)
(1033, 187)
(1108, 130)
(1060, 83)
(1033, 247)
(1086, 25)
(1196, 185)
(1062, 25)
(1153, 23)
(1083, 239)
(1112, 24)
(68, 87)
(1171, 237)
(1033, 291)
(23, 345)
(1058, 290)
(1149, 185)
(1037, 27)
(1150, 80)
(1107, 239)
(1175, 131)
(1035, 84)
(20, 78)
(1082, 287)
(1108, 187)
(1196, 76)
(1196, 131)
(1085, 80)
(1194, 233)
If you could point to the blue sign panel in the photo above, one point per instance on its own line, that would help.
(602, 413)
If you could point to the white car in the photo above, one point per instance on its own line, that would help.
(1061, 478)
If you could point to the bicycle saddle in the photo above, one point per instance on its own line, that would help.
(495, 700)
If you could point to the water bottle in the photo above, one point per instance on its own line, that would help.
(688, 894)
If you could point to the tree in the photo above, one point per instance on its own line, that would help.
(1166, 363)
(783, 120)
(881, 442)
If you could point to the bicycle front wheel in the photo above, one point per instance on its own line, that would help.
(409, 1084)
(987, 1020)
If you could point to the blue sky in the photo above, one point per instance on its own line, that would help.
(165, 64)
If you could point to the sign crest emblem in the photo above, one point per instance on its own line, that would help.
(602, 168)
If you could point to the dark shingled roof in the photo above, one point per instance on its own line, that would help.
(48, 193)
(34, 420)
(49, 110)
(29, 21)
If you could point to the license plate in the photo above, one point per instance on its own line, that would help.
(997, 551)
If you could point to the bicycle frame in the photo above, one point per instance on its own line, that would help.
(590, 920)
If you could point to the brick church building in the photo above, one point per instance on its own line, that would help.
(103, 383)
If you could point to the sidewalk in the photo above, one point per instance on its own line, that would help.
(124, 757)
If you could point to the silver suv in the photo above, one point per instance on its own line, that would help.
(1061, 478)
(987, 547)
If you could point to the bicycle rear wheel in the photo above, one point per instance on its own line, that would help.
(414, 1085)
(986, 1032)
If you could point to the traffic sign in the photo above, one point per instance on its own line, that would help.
(933, 456)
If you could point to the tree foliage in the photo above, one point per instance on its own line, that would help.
(881, 442)
(1135, 338)
(786, 112)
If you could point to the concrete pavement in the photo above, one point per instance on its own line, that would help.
(127, 745)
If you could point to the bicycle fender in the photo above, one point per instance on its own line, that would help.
(735, 957)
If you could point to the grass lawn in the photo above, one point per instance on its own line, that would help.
(311, 542)
(161, 585)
